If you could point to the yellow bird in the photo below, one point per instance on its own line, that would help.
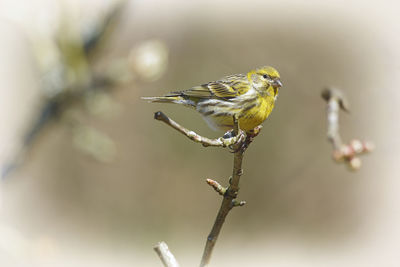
(250, 97)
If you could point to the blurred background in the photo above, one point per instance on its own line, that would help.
(90, 179)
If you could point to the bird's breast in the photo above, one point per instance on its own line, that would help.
(255, 115)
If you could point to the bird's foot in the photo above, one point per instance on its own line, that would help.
(229, 134)
(230, 140)
(249, 137)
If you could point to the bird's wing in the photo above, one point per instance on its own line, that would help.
(227, 87)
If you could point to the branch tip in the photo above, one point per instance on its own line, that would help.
(342, 152)
(165, 255)
(331, 93)
(160, 116)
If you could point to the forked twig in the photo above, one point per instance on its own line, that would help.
(239, 144)
(347, 153)
(228, 201)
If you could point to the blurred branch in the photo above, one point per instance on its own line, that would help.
(73, 80)
(347, 153)
(103, 30)
(238, 143)
(165, 255)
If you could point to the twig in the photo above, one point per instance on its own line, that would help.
(342, 152)
(228, 201)
(239, 144)
(165, 255)
(219, 142)
(227, 204)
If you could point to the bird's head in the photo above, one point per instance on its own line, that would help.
(265, 78)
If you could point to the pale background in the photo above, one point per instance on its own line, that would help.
(64, 207)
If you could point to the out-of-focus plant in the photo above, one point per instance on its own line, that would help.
(149, 59)
(71, 84)
(347, 153)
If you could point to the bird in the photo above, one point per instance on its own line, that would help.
(249, 97)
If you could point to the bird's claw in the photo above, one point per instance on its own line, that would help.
(240, 142)
(243, 143)
(230, 140)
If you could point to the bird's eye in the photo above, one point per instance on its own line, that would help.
(265, 76)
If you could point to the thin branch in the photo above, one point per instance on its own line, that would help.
(228, 201)
(165, 255)
(239, 144)
(342, 152)
(219, 142)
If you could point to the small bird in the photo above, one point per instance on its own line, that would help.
(250, 97)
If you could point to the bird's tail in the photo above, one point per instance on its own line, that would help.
(176, 99)
(162, 99)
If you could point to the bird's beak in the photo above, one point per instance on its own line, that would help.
(276, 83)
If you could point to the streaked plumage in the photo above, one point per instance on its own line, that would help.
(250, 96)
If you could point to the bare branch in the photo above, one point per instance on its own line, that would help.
(342, 152)
(219, 142)
(239, 144)
(165, 255)
(228, 201)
